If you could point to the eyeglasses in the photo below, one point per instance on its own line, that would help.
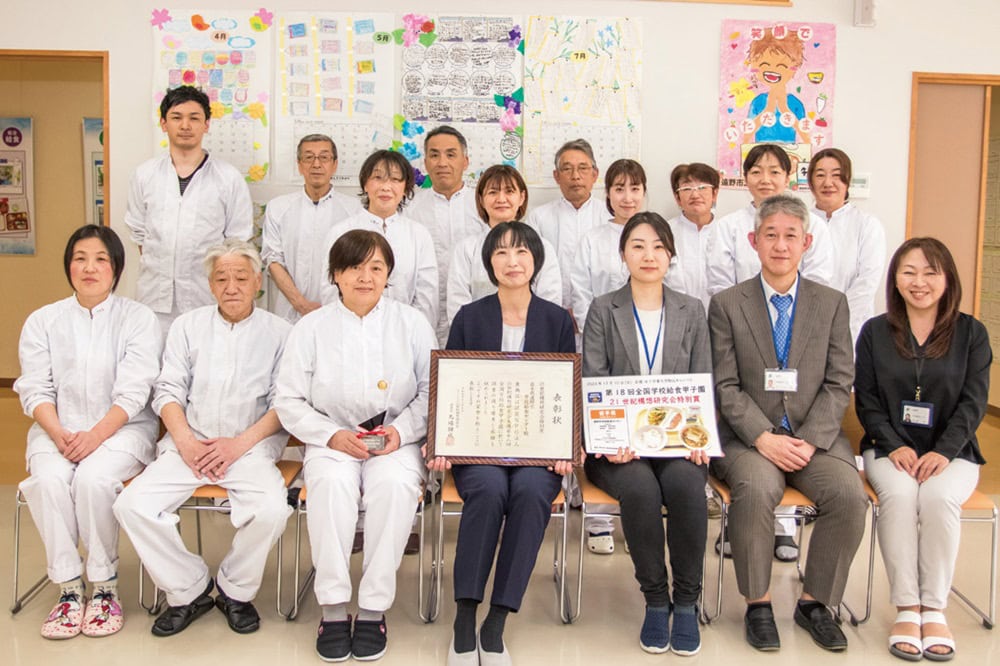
(690, 189)
(322, 158)
(569, 169)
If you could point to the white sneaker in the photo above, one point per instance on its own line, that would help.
(601, 544)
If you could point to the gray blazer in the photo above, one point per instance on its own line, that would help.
(610, 347)
(821, 351)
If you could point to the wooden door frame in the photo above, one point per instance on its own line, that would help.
(987, 81)
(102, 57)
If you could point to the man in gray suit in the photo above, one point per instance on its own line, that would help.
(781, 351)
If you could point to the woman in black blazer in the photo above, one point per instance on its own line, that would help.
(647, 328)
(516, 499)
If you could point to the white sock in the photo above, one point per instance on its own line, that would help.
(370, 615)
(74, 586)
(334, 612)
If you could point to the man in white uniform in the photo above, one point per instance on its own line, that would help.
(448, 208)
(179, 205)
(563, 221)
(214, 395)
(295, 225)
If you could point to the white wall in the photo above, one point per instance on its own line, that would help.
(680, 70)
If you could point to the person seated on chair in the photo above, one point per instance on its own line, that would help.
(214, 396)
(516, 499)
(666, 333)
(782, 327)
(921, 383)
(88, 363)
(376, 379)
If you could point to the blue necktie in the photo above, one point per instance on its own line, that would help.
(780, 333)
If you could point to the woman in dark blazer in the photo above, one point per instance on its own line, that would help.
(647, 328)
(516, 499)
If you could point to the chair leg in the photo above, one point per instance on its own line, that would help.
(156, 605)
(988, 619)
(567, 612)
(855, 620)
(19, 601)
(424, 600)
(437, 565)
(708, 618)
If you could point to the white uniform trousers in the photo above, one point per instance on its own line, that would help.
(919, 528)
(71, 502)
(259, 511)
(387, 488)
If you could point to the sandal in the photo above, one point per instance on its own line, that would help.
(936, 617)
(911, 617)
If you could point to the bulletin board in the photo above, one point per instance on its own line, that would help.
(17, 197)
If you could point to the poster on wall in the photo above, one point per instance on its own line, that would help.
(776, 86)
(17, 196)
(582, 79)
(228, 55)
(93, 169)
(334, 74)
(464, 71)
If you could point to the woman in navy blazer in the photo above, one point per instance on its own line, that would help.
(516, 499)
(646, 328)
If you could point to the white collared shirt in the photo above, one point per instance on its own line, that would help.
(564, 225)
(86, 361)
(414, 279)
(449, 221)
(691, 264)
(223, 375)
(294, 230)
(176, 231)
(468, 280)
(732, 259)
(859, 260)
(381, 362)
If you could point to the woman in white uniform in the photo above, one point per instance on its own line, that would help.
(88, 363)
(501, 196)
(375, 380)
(858, 237)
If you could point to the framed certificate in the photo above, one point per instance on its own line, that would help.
(657, 416)
(504, 408)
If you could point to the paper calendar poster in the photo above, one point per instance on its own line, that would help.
(582, 79)
(776, 86)
(93, 169)
(228, 55)
(335, 74)
(17, 194)
(464, 71)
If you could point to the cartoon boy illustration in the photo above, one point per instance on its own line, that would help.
(774, 60)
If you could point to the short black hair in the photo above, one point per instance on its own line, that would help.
(448, 130)
(521, 235)
(659, 225)
(625, 170)
(355, 248)
(112, 243)
(182, 94)
(389, 158)
(757, 153)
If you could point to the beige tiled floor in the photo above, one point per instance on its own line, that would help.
(606, 633)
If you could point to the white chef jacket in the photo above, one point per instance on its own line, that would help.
(223, 374)
(859, 260)
(449, 221)
(176, 231)
(414, 279)
(563, 225)
(731, 258)
(380, 362)
(692, 257)
(468, 280)
(293, 235)
(84, 362)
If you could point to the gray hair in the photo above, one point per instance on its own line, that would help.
(782, 203)
(233, 247)
(576, 144)
(309, 138)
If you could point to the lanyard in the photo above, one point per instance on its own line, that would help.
(918, 365)
(645, 345)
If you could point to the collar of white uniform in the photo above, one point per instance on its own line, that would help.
(374, 312)
(374, 219)
(103, 306)
(241, 323)
(326, 197)
(840, 212)
(583, 207)
(684, 218)
(458, 194)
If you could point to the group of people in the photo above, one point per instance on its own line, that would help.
(775, 300)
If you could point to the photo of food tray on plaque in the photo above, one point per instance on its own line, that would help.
(657, 416)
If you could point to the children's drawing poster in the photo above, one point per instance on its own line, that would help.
(17, 195)
(776, 86)
(582, 79)
(334, 74)
(465, 71)
(228, 55)
(93, 169)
